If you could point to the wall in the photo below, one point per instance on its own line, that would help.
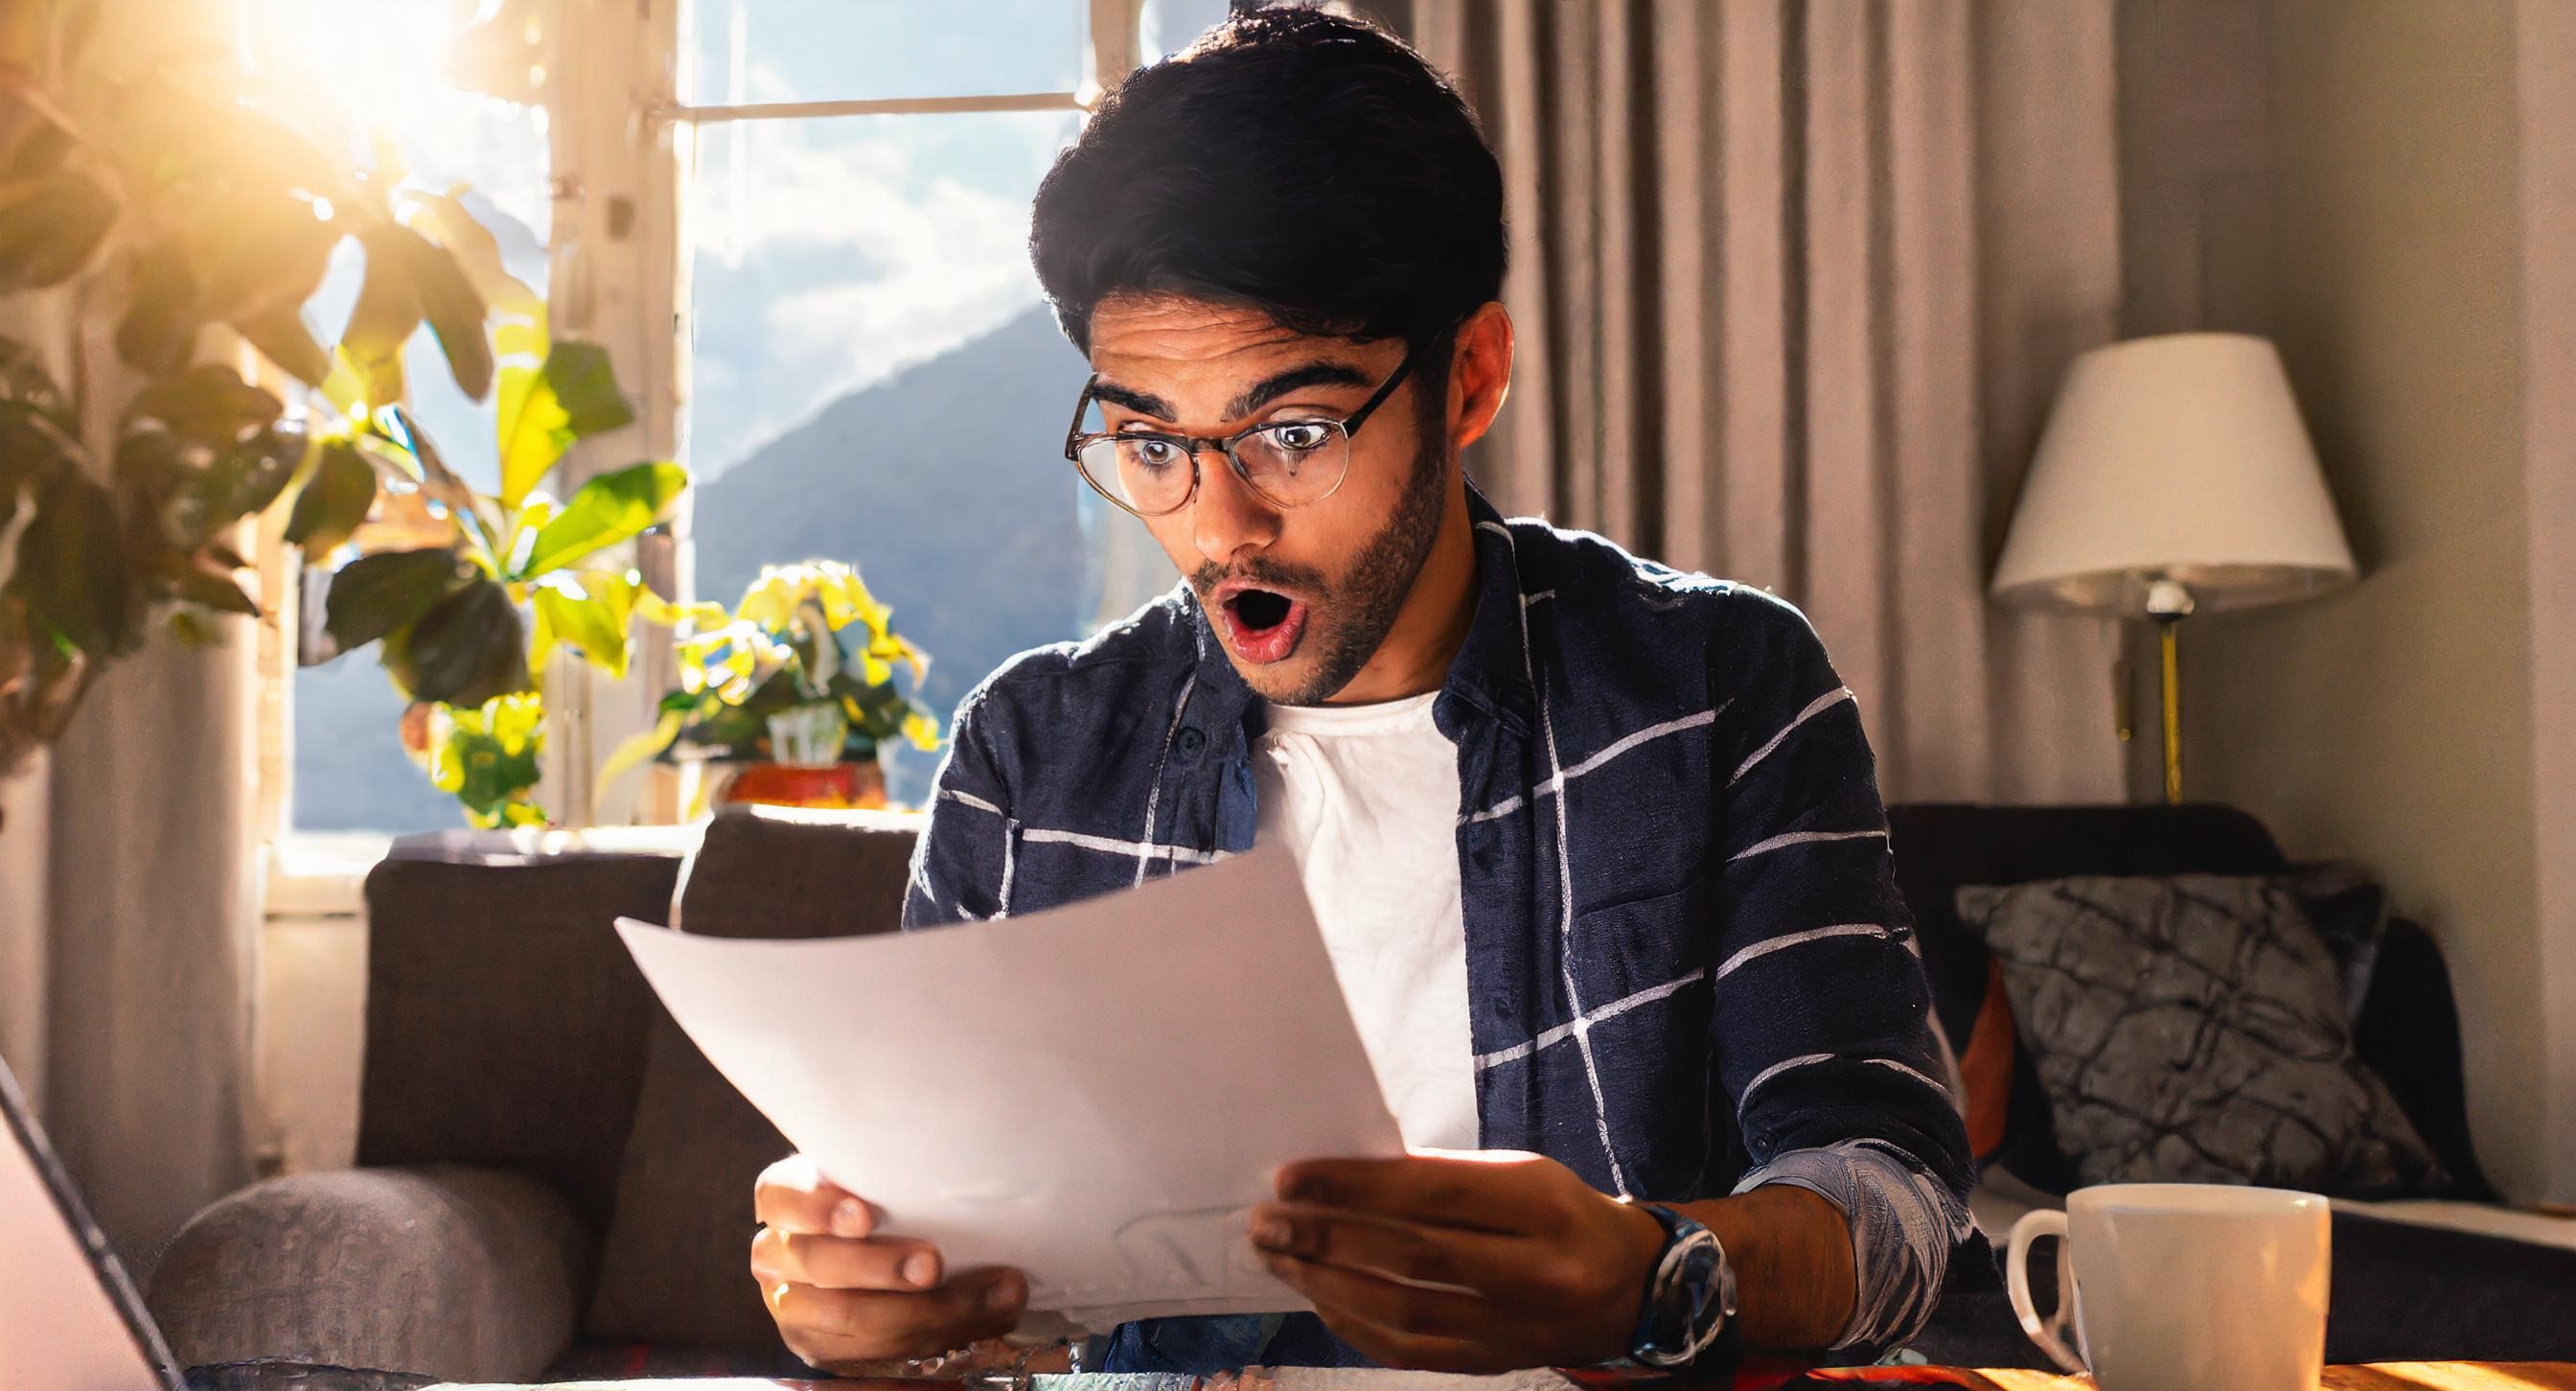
(2345, 175)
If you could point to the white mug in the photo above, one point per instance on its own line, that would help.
(2182, 1286)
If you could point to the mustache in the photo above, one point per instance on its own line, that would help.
(1260, 570)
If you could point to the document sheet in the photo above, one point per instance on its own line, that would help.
(1094, 1094)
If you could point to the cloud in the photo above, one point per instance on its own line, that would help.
(831, 253)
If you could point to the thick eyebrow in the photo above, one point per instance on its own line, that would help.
(1143, 403)
(1295, 378)
(1260, 394)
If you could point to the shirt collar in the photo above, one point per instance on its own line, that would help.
(1490, 672)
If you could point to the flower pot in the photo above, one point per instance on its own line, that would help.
(836, 785)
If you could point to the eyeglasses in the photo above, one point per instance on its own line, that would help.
(1288, 463)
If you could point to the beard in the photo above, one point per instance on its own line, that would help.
(1357, 611)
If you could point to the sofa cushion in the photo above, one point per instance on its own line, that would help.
(675, 1267)
(505, 1022)
(2192, 1028)
(1940, 846)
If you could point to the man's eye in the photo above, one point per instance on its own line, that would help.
(1300, 436)
(1149, 453)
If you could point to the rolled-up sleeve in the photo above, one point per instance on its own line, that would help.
(1822, 1030)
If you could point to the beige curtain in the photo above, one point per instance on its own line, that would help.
(129, 863)
(1794, 282)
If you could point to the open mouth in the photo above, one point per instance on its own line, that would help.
(1263, 624)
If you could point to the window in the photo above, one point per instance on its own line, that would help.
(870, 374)
(874, 376)
(368, 66)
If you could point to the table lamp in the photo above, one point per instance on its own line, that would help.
(2174, 476)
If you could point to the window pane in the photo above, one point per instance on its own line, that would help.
(876, 380)
(744, 52)
(377, 64)
(1165, 27)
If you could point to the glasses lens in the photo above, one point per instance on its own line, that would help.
(1144, 474)
(1295, 461)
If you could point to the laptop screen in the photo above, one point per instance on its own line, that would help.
(68, 1316)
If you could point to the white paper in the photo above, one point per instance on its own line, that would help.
(1093, 1094)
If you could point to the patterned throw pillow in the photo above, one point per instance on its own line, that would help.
(2192, 1029)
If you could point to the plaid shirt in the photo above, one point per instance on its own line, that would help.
(1688, 968)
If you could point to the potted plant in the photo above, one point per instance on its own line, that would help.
(795, 689)
(121, 494)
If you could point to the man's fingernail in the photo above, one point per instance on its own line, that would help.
(849, 1218)
(921, 1268)
(1272, 1232)
(1003, 1294)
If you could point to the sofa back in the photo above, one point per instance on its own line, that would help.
(505, 1023)
(673, 1261)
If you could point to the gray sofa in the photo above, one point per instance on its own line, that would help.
(553, 1182)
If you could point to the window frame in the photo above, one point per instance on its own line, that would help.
(618, 277)
(621, 154)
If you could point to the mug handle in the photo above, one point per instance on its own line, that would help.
(2050, 1332)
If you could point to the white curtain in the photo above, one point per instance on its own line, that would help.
(1794, 282)
(131, 852)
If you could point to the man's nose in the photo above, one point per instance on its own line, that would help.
(1227, 518)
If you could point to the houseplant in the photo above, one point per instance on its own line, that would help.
(797, 686)
(170, 203)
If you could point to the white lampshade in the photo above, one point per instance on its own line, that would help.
(2181, 458)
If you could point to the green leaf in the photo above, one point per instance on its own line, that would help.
(591, 611)
(72, 570)
(240, 481)
(281, 336)
(455, 313)
(388, 309)
(50, 227)
(221, 593)
(208, 404)
(543, 410)
(375, 595)
(604, 511)
(158, 334)
(259, 249)
(334, 501)
(467, 650)
(477, 253)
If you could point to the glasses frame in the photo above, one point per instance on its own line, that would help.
(1197, 445)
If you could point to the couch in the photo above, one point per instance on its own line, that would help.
(552, 1182)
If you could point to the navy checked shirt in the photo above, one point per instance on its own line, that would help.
(1688, 968)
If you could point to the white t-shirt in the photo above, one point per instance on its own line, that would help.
(1367, 798)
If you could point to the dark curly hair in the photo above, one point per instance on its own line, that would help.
(1292, 161)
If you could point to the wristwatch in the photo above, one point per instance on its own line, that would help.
(1688, 1317)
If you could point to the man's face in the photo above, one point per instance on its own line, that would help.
(1301, 597)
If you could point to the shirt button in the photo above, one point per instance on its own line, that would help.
(1190, 740)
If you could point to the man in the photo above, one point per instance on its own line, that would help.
(1596, 846)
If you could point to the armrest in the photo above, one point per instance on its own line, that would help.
(464, 1273)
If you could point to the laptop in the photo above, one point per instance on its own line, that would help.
(69, 1318)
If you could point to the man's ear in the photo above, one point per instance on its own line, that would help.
(1480, 373)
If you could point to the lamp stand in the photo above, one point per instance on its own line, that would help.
(2173, 709)
(2169, 602)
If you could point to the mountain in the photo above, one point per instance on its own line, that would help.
(946, 485)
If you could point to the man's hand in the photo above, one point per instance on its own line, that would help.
(1461, 1262)
(843, 1297)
